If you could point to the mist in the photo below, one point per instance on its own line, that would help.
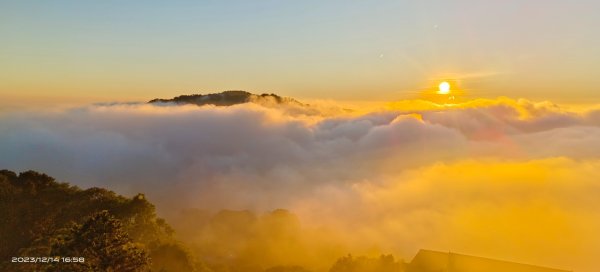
(512, 179)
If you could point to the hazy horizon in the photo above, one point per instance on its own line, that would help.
(463, 126)
(339, 50)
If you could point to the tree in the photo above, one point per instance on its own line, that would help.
(385, 263)
(36, 212)
(174, 258)
(104, 244)
(287, 268)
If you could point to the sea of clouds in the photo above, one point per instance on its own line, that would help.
(513, 179)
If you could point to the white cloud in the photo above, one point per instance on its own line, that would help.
(350, 167)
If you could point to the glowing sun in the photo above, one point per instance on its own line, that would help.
(444, 88)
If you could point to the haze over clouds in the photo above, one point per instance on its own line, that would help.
(508, 178)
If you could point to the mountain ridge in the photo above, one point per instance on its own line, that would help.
(228, 98)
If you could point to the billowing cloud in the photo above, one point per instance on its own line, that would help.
(483, 176)
(537, 211)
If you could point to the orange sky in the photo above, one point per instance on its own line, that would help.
(69, 51)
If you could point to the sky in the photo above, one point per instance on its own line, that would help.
(91, 51)
(508, 170)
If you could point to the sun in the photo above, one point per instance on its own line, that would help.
(444, 88)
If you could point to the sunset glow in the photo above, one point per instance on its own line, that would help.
(300, 136)
(444, 88)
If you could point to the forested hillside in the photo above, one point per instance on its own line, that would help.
(40, 217)
(228, 98)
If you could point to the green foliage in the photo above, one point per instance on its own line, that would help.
(385, 263)
(173, 257)
(41, 217)
(105, 245)
(290, 268)
(226, 98)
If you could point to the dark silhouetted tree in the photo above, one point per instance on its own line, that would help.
(385, 263)
(36, 213)
(104, 244)
(287, 268)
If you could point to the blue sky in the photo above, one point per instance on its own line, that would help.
(351, 50)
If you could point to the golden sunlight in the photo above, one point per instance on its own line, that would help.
(444, 88)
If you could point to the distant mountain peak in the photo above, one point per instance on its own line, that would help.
(227, 98)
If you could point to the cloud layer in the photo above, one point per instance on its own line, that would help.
(483, 177)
